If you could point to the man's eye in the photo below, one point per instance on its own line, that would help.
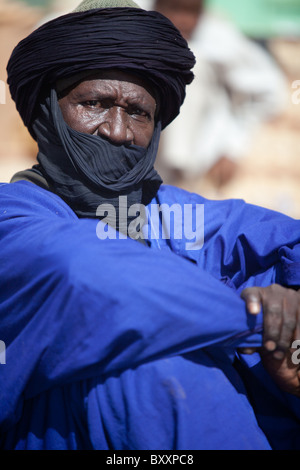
(92, 103)
(139, 112)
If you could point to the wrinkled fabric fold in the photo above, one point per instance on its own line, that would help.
(129, 39)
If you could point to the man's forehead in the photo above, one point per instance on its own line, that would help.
(102, 79)
(119, 76)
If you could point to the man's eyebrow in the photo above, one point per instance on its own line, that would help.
(80, 92)
(136, 99)
(139, 99)
(90, 93)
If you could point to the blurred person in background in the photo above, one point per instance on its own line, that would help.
(237, 87)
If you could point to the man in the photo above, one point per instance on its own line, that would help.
(238, 86)
(122, 333)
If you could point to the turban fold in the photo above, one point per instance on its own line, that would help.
(142, 42)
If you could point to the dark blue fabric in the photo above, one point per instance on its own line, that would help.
(115, 345)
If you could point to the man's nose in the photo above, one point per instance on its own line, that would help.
(115, 127)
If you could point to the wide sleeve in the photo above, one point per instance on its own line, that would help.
(247, 244)
(73, 306)
(289, 269)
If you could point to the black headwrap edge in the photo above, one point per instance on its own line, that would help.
(129, 39)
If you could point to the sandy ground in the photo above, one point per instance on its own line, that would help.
(269, 175)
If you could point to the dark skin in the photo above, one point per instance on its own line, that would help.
(281, 309)
(114, 105)
(121, 108)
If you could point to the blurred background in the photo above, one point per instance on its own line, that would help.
(238, 132)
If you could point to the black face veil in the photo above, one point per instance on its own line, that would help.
(81, 168)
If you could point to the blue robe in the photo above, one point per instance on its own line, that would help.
(111, 344)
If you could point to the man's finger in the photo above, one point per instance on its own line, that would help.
(297, 329)
(289, 322)
(252, 297)
(272, 324)
(247, 350)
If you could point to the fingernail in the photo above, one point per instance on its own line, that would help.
(248, 350)
(279, 354)
(270, 345)
(254, 307)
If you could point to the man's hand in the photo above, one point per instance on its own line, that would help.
(281, 316)
(281, 313)
(285, 372)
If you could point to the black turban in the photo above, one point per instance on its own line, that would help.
(131, 39)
